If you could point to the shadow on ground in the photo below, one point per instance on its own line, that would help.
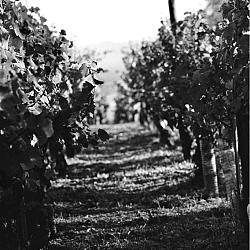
(134, 193)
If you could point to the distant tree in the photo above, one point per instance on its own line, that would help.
(101, 108)
(213, 13)
(124, 111)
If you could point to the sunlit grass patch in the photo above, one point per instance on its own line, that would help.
(131, 197)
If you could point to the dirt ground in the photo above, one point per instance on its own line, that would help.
(134, 193)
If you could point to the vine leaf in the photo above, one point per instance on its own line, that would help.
(35, 109)
(244, 44)
(97, 80)
(18, 32)
(229, 84)
(22, 96)
(84, 70)
(30, 159)
(63, 102)
(47, 127)
(90, 79)
(103, 135)
(16, 42)
(83, 140)
(229, 33)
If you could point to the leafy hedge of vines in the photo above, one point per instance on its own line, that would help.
(45, 97)
(200, 74)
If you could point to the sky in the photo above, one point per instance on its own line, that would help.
(90, 22)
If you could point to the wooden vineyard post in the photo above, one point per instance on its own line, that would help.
(236, 157)
(209, 167)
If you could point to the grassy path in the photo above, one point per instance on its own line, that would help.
(133, 193)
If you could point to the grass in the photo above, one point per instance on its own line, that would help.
(134, 193)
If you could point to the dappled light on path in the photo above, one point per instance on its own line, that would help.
(134, 193)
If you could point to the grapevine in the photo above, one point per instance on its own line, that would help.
(45, 101)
